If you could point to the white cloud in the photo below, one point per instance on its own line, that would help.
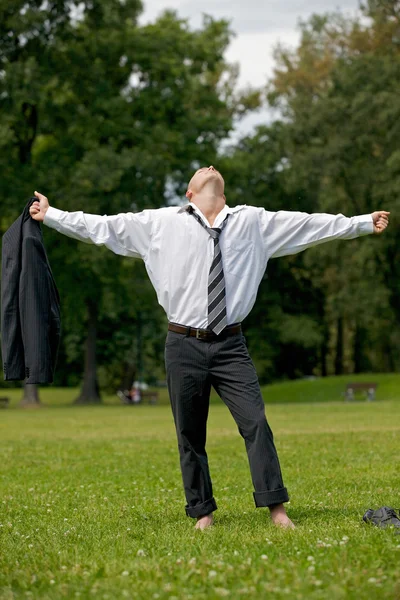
(254, 53)
(259, 26)
(252, 15)
(272, 16)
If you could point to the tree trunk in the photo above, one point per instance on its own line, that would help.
(339, 348)
(324, 344)
(139, 359)
(90, 393)
(128, 376)
(358, 350)
(30, 399)
(324, 353)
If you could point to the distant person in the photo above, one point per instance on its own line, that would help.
(205, 261)
(136, 393)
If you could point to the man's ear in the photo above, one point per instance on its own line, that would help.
(224, 197)
(189, 194)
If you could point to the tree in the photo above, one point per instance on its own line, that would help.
(335, 308)
(30, 398)
(105, 116)
(339, 95)
(283, 331)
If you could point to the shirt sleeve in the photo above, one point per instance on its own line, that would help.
(286, 232)
(128, 234)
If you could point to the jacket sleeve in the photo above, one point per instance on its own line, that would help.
(128, 234)
(35, 311)
(286, 232)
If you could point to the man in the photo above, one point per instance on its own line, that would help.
(206, 261)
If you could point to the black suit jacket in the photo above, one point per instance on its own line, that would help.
(30, 304)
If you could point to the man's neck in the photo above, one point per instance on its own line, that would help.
(210, 205)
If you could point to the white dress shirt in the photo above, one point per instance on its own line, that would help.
(178, 252)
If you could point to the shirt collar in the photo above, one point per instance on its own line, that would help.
(227, 210)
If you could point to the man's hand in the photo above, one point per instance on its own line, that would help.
(39, 208)
(380, 219)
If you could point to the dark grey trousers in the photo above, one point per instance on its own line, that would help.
(193, 366)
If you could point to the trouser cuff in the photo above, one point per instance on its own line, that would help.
(271, 497)
(201, 510)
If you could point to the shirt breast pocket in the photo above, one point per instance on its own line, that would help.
(238, 256)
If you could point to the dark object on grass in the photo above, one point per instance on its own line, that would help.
(383, 517)
(4, 402)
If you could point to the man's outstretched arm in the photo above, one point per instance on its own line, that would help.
(287, 232)
(128, 234)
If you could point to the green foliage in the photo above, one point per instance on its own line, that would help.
(105, 116)
(335, 150)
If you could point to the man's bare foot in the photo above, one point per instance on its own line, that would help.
(280, 518)
(204, 522)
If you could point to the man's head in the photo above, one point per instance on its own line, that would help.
(207, 180)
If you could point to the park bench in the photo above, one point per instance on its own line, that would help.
(368, 389)
(4, 402)
(151, 397)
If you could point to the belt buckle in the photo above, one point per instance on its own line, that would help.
(201, 334)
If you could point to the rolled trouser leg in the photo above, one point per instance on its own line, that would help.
(235, 379)
(264, 463)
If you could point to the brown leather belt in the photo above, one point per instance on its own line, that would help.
(205, 334)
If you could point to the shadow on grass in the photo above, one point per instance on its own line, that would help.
(300, 516)
(323, 515)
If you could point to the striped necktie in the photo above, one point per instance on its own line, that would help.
(216, 281)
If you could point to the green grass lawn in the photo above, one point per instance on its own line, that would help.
(327, 389)
(92, 504)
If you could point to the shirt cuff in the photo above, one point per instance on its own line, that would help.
(52, 218)
(365, 224)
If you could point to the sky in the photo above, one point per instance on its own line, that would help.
(258, 24)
